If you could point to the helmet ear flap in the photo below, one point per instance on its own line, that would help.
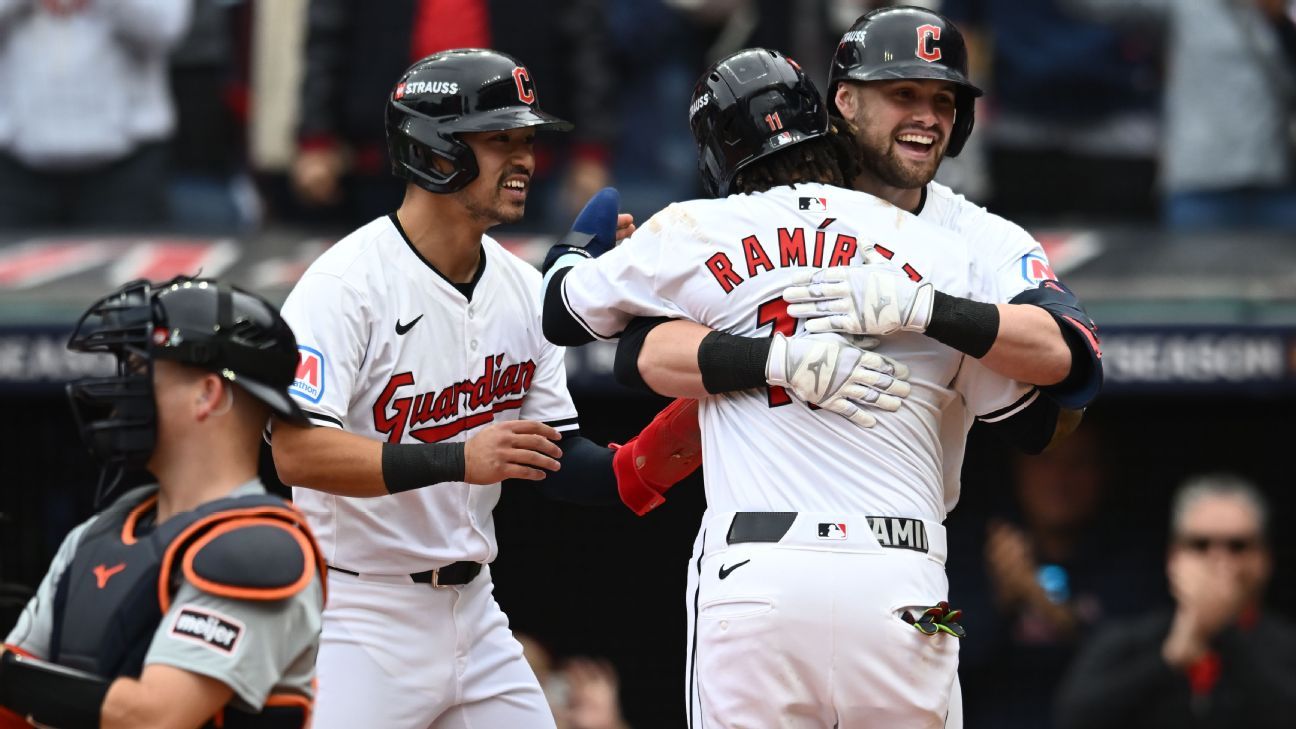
(964, 119)
(416, 163)
(710, 167)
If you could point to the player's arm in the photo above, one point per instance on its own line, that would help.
(337, 462)
(592, 293)
(162, 697)
(637, 474)
(1033, 425)
(595, 231)
(685, 359)
(1042, 336)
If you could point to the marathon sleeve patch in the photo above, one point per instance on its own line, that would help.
(208, 628)
(1035, 269)
(309, 382)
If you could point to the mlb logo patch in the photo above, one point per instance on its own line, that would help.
(1036, 269)
(832, 530)
(400, 91)
(813, 204)
(309, 383)
(782, 139)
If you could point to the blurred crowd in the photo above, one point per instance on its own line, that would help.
(223, 116)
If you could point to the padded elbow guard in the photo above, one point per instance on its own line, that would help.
(1081, 335)
(662, 455)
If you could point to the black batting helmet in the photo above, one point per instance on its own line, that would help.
(197, 322)
(748, 106)
(463, 90)
(908, 43)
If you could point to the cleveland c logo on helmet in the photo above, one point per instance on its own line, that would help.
(451, 93)
(927, 50)
(894, 43)
(526, 89)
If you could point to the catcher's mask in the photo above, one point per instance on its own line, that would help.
(196, 322)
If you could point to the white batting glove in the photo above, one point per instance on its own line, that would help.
(828, 371)
(875, 298)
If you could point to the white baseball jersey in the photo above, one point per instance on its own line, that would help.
(1009, 261)
(1007, 257)
(392, 350)
(725, 263)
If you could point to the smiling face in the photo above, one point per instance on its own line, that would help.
(505, 163)
(902, 127)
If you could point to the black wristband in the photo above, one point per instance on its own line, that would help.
(729, 363)
(966, 325)
(407, 466)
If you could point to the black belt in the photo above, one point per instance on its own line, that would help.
(894, 532)
(759, 526)
(456, 573)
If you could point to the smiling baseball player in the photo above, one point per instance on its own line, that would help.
(822, 541)
(428, 381)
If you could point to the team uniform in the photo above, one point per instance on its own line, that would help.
(1010, 262)
(123, 593)
(393, 351)
(815, 557)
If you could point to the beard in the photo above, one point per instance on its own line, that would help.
(487, 205)
(494, 211)
(880, 157)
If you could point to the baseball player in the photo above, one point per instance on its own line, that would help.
(428, 382)
(195, 601)
(829, 553)
(899, 77)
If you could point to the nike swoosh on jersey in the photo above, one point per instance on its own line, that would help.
(402, 328)
(725, 572)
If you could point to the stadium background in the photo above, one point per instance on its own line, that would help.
(1199, 326)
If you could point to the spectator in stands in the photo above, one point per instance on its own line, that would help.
(654, 157)
(1043, 583)
(582, 692)
(1218, 660)
(1227, 153)
(1070, 116)
(211, 190)
(87, 112)
(354, 49)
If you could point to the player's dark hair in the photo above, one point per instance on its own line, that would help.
(832, 159)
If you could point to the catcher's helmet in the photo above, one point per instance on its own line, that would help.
(197, 322)
(907, 43)
(463, 90)
(748, 106)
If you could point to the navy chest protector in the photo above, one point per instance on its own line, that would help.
(121, 581)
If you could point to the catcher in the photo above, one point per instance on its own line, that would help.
(194, 601)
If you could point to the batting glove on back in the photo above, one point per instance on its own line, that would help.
(828, 371)
(875, 299)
